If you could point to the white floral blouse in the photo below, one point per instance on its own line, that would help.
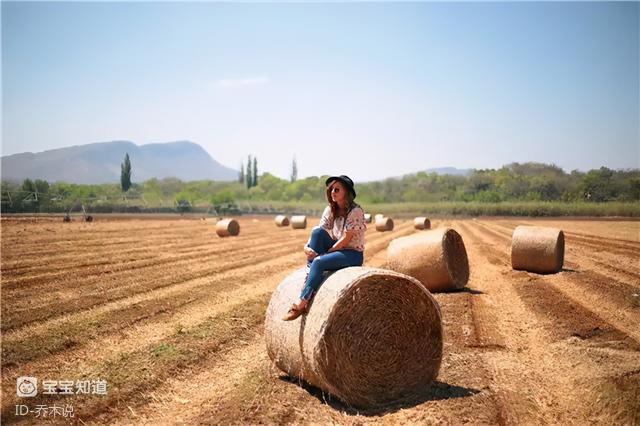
(337, 228)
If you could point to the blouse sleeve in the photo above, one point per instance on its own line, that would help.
(325, 220)
(355, 220)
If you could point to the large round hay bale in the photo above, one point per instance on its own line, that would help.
(298, 222)
(371, 336)
(384, 224)
(367, 218)
(537, 249)
(437, 258)
(227, 227)
(282, 220)
(421, 222)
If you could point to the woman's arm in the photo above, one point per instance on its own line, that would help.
(326, 221)
(354, 224)
(342, 242)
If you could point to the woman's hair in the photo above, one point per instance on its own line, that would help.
(334, 206)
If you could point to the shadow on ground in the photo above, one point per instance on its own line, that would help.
(435, 392)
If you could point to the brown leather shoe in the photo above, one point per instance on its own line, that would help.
(294, 312)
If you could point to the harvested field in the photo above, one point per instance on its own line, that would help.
(172, 317)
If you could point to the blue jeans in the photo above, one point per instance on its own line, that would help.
(320, 242)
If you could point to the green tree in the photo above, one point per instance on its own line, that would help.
(125, 173)
(221, 197)
(598, 185)
(42, 186)
(294, 170)
(28, 185)
(241, 174)
(255, 172)
(30, 197)
(249, 178)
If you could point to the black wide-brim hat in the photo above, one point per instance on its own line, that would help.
(346, 181)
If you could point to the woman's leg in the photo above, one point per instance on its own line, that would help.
(329, 262)
(320, 241)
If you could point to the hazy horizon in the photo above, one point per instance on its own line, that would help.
(372, 90)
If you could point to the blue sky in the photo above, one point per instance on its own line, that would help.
(367, 89)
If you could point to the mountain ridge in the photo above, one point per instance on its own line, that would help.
(99, 162)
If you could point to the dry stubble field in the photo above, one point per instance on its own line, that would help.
(171, 316)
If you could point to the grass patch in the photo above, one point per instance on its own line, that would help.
(248, 398)
(164, 351)
(463, 208)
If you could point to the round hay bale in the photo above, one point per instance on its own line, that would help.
(437, 258)
(298, 222)
(421, 222)
(367, 218)
(282, 220)
(371, 336)
(227, 227)
(537, 249)
(384, 224)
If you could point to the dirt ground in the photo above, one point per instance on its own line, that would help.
(171, 317)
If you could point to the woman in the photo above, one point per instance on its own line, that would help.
(337, 243)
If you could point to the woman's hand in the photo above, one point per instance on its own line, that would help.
(311, 254)
(342, 242)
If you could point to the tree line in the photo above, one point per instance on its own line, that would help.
(513, 182)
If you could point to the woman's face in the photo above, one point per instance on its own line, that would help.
(338, 192)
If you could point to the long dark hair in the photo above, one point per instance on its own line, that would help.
(335, 209)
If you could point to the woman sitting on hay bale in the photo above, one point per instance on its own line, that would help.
(338, 242)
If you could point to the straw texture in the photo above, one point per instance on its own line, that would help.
(537, 249)
(371, 336)
(282, 220)
(384, 224)
(437, 258)
(421, 222)
(298, 222)
(227, 227)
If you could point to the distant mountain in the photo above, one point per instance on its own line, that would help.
(450, 171)
(100, 163)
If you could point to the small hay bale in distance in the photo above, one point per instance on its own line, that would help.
(227, 227)
(371, 336)
(282, 220)
(421, 222)
(367, 218)
(537, 249)
(298, 222)
(437, 258)
(384, 224)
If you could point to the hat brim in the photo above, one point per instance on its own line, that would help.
(344, 182)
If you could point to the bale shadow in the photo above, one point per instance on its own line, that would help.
(434, 392)
(471, 291)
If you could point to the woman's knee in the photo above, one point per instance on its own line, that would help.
(318, 263)
(317, 230)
